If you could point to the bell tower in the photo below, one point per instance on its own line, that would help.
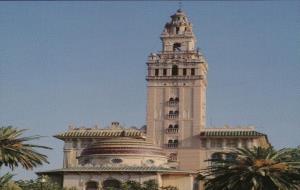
(176, 90)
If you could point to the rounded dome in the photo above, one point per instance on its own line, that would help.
(123, 146)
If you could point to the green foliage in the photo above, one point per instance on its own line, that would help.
(131, 185)
(39, 184)
(5, 179)
(150, 185)
(147, 185)
(254, 169)
(15, 150)
(11, 186)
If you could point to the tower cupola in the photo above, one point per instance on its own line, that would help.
(178, 34)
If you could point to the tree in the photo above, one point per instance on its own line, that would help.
(254, 169)
(150, 185)
(15, 151)
(39, 184)
(5, 179)
(131, 185)
(11, 186)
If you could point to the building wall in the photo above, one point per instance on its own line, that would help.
(80, 180)
(182, 182)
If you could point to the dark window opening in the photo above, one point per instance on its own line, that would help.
(171, 112)
(176, 126)
(91, 185)
(156, 72)
(192, 71)
(171, 99)
(177, 30)
(170, 126)
(177, 99)
(174, 70)
(165, 72)
(177, 47)
(184, 72)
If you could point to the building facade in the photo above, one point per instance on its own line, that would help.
(176, 142)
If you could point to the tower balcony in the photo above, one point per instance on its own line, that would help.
(172, 130)
(172, 103)
(187, 77)
(172, 145)
(172, 116)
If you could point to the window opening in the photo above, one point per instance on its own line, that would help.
(177, 30)
(174, 70)
(177, 47)
(192, 71)
(165, 72)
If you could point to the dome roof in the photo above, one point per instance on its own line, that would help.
(123, 146)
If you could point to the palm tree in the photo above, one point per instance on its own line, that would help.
(5, 179)
(15, 151)
(253, 169)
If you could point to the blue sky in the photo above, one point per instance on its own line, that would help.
(83, 63)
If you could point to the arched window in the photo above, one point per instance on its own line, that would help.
(91, 185)
(111, 184)
(171, 112)
(171, 99)
(176, 126)
(174, 70)
(177, 47)
(170, 141)
(175, 141)
(170, 126)
(177, 99)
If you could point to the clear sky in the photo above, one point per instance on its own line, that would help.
(83, 63)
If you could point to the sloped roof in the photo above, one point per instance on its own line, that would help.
(231, 133)
(86, 133)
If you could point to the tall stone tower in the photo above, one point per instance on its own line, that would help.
(176, 92)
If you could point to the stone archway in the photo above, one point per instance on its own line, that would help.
(91, 185)
(111, 184)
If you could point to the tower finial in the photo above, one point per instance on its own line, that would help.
(179, 5)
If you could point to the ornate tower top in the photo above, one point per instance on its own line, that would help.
(178, 33)
(178, 26)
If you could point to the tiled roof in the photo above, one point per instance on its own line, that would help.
(230, 133)
(100, 133)
(115, 169)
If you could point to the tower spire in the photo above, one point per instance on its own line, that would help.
(180, 4)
